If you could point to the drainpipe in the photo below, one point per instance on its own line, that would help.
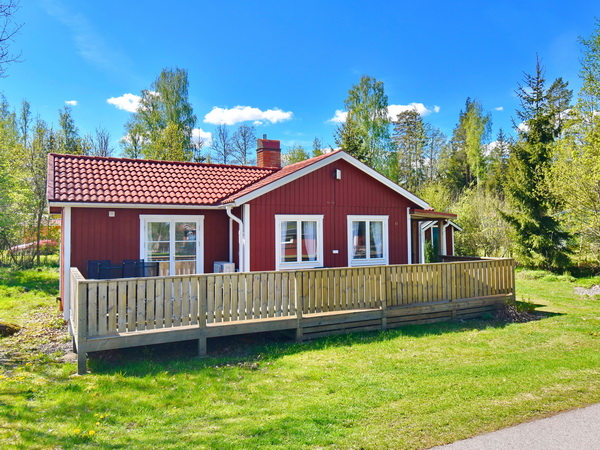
(241, 239)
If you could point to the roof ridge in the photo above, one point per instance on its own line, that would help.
(159, 161)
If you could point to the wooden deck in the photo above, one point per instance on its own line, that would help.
(109, 314)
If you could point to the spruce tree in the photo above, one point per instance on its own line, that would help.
(539, 239)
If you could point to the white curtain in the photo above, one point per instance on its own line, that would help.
(355, 239)
(309, 240)
(377, 239)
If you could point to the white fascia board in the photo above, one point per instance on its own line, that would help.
(130, 205)
(458, 227)
(433, 224)
(427, 225)
(325, 162)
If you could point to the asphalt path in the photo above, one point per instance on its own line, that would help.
(572, 430)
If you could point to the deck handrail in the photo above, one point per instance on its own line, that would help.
(103, 308)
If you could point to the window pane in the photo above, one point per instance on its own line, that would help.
(158, 231)
(359, 237)
(185, 267)
(309, 241)
(185, 248)
(185, 231)
(376, 235)
(289, 241)
(158, 251)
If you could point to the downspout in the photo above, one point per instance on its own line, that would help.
(241, 247)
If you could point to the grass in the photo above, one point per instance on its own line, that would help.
(413, 387)
(24, 290)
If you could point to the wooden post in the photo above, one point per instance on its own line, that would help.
(202, 307)
(453, 287)
(441, 238)
(383, 298)
(81, 327)
(299, 303)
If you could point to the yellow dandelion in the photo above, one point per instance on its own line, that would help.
(95, 414)
(92, 432)
(97, 423)
(76, 431)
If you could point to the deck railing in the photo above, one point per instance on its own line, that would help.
(104, 307)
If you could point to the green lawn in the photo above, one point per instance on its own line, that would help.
(413, 387)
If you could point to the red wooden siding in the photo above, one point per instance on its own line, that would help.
(449, 240)
(320, 193)
(95, 235)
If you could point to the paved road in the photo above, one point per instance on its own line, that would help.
(572, 430)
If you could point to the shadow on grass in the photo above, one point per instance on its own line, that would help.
(252, 349)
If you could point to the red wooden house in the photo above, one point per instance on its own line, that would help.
(328, 211)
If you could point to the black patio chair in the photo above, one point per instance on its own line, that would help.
(133, 268)
(93, 269)
(149, 269)
(109, 271)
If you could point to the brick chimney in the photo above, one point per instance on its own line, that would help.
(268, 153)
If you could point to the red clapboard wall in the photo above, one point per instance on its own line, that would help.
(320, 193)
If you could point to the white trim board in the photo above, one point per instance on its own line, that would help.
(325, 162)
(386, 241)
(129, 205)
(279, 218)
(145, 218)
(66, 263)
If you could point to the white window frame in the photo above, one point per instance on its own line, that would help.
(368, 261)
(279, 219)
(145, 218)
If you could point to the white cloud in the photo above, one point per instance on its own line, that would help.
(394, 110)
(231, 116)
(499, 108)
(126, 102)
(523, 127)
(198, 134)
(339, 116)
(71, 102)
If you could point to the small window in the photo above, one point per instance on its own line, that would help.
(367, 240)
(298, 241)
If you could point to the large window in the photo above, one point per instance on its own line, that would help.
(367, 240)
(298, 241)
(175, 242)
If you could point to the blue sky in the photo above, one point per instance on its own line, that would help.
(288, 65)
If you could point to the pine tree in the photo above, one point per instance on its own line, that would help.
(498, 163)
(409, 141)
(540, 241)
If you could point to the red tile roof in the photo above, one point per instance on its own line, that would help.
(90, 179)
(283, 172)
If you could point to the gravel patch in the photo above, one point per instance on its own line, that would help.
(44, 336)
(591, 292)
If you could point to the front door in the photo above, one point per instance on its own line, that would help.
(175, 242)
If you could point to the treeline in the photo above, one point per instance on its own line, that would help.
(535, 196)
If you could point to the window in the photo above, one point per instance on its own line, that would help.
(174, 241)
(367, 240)
(298, 241)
